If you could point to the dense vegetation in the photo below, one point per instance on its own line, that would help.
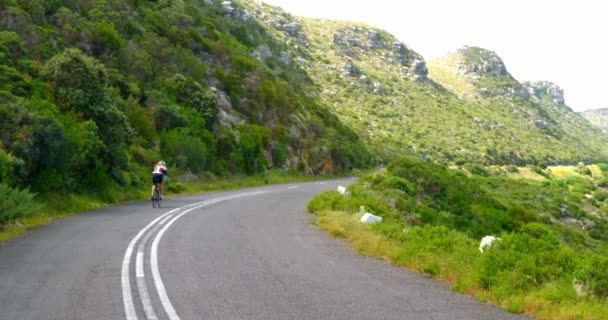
(92, 93)
(551, 222)
(381, 88)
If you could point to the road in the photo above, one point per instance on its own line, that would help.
(246, 254)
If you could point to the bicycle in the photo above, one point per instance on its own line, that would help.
(156, 199)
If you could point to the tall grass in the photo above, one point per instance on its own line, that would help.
(433, 218)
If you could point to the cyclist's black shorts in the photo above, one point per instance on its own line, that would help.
(157, 177)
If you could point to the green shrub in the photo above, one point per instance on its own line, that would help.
(332, 200)
(600, 194)
(398, 183)
(594, 276)
(583, 170)
(476, 169)
(525, 260)
(16, 204)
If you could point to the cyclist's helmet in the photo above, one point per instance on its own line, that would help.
(163, 162)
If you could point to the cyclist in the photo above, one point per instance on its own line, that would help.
(159, 171)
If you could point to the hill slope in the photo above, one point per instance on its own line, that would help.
(94, 92)
(598, 118)
(98, 91)
(386, 93)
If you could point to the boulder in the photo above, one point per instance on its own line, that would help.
(487, 241)
(227, 7)
(541, 124)
(292, 28)
(370, 218)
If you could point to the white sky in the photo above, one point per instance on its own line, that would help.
(562, 41)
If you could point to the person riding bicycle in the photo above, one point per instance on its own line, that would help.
(159, 171)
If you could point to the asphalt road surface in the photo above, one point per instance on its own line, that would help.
(246, 254)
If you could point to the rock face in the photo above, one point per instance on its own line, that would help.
(375, 41)
(401, 53)
(480, 61)
(357, 37)
(420, 71)
(541, 89)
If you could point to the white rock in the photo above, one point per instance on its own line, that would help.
(487, 241)
(342, 190)
(370, 218)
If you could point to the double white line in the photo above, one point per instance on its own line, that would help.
(164, 221)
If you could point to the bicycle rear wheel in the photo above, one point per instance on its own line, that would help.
(156, 198)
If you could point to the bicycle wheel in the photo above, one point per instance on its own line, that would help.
(156, 198)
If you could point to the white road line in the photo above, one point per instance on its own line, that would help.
(126, 284)
(125, 279)
(292, 187)
(142, 287)
(158, 281)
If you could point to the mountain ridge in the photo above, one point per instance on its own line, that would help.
(370, 79)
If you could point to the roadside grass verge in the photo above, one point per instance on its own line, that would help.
(452, 257)
(54, 205)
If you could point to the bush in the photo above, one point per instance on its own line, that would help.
(600, 194)
(16, 204)
(583, 170)
(476, 169)
(332, 200)
(525, 260)
(593, 275)
(398, 183)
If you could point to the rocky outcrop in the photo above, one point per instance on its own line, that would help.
(420, 70)
(401, 53)
(349, 69)
(481, 61)
(292, 28)
(541, 90)
(262, 52)
(227, 7)
(374, 40)
(357, 37)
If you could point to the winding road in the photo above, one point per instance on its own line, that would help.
(246, 254)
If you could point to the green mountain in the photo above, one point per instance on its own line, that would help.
(464, 107)
(94, 92)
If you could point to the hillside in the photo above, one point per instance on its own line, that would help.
(93, 93)
(384, 90)
(598, 118)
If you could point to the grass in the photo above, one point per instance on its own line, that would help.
(444, 71)
(556, 301)
(58, 205)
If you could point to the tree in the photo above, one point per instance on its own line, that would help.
(79, 84)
